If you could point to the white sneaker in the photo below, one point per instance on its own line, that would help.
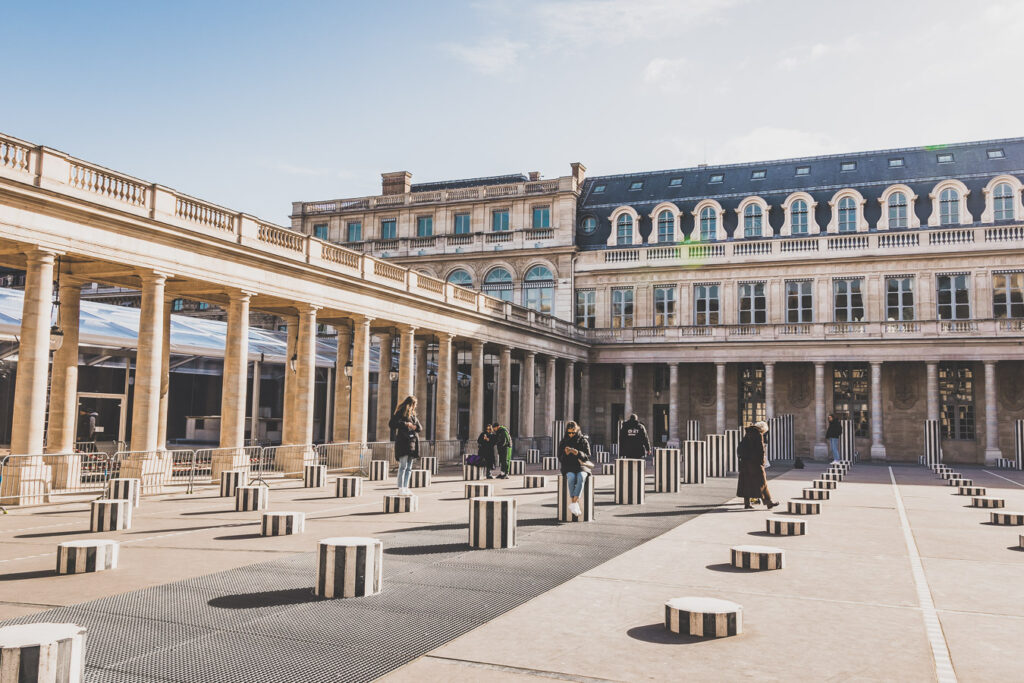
(574, 508)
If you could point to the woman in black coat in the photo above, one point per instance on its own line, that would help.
(753, 482)
(404, 430)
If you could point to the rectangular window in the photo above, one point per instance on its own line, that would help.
(586, 308)
(758, 175)
(995, 154)
(899, 298)
(944, 158)
(320, 231)
(896, 162)
(598, 189)
(751, 393)
(202, 306)
(675, 182)
(954, 296)
(499, 220)
(799, 301)
(897, 210)
(803, 170)
(638, 185)
(848, 300)
(851, 386)
(622, 308)
(178, 305)
(354, 231)
(389, 229)
(716, 178)
(462, 224)
(848, 166)
(705, 304)
(664, 306)
(752, 303)
(542, 216)
(1008, 295)
(956, 401)
(424, 226)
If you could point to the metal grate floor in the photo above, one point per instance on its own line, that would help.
(262, 622)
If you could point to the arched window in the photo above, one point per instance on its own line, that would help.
(539, 290)
(708, 224)
(461, 278)
(798, 217)
(752, 217)
(498, 283)
(1002, 200)
(624, 231)
(897, 210)
(847, 215)
(589, 225)
(666, 226)
(949, 207)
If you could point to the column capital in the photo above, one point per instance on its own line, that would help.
(240, 295)
(303, 308)
(990, 363)
(153, 277)
(529, 354)
(447, 337)
(40, 255)
(506, 351)
(478, 344)
(875, 363)
(406, 328)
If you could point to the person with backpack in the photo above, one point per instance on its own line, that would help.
(485, 449)
(502, 444)
(633, 441)
(404, 427)
(574, 455)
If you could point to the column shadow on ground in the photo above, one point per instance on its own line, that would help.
(730, 569)
(657, 633)
(25, 576)
(291, 596)
(431, 549)
(238, 537)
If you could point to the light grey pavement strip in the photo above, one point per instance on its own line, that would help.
(936, 639)
(519, 670)
(1017, 483)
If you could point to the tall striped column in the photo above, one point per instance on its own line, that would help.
(378, 470)
(715, 446)
(666, 470)
(629, 481)
(429, 463)
(789, 441)
(42, 653)
(492, 522)
(349, 567)
(695, 462)
(775, 439)
(533, 456)
(847, 442)
(125, 488)
(586, 501)
(1018, 443)
(932, 442)
(732, 445)
(693, 430)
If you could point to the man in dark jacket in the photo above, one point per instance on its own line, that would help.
(832, 434)
(485, 448)
(501, 442)
(633, 441)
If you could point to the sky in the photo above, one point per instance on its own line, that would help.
(253, 105)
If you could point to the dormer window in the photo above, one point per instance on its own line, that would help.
(716, 178)
(896, 162)
(638, 185)
(848, 166)
(675, 182)
(944, 158)
(996, 154)
(598, 189)
(803, 170)
(758, 175)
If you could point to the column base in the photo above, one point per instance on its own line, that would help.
(153, 470)
(65, 471)
(878, 452)
(821, 451)
(26, 484)
(231, 460)
(991, 455)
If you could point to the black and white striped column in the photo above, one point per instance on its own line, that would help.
(550, 463)
(479, 490)
(586, 501)
(110, 514)
(693, 430)
(282, 523)
(703, 617)
(86, 556)
(314, 476)
(473, 473)
(785, 527)
(125, 488)
(695, 462)
(757, 557)
(848, 442)
(399, 503)
(971, 491)
(534, 481)
(42, 653)
(666, 470)
(1018, 443)
(816, 494)
(987, 502)
(348, 487)
(608, 468)
(231, 480)
(804, 507)
(774, 442)
(832, 476)
(533, 456)
(1007, 518)
(932, 442)
(349, 567)
(379, 470)
(960, 482)
(492, 522)
(250, 498)
(823, 484)
(602, 457)
(714, 444)
(517, 467)
(732, 445)
(419, 479)
(630, 481)
(429, 463)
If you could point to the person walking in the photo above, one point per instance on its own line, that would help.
(752, 481)
(574, 457)
(404, 432)
(485, 449)
(502, 444)
(832, 434)
(633, 441)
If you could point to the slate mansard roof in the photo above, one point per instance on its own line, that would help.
(468, 182)
(920, 171)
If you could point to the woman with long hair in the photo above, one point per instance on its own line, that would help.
(404, 432)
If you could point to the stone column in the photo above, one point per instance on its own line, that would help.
(527, 394)
(584, 416)
(288, 409)
(305, 374)
(360, 394)
(570, 390)
(720, 398)
(342, 389)
(64, 377)
(443, 397)
(236, 370)
(406, 359)
(384, 388)
(769, 389)
(673, 402)
(992, 452)
(29, 417)
(549, 396)
(505, 386)
(422, 388)
(820, 448)
(476, 391)
(148, 365)
(877, 445)
(165, 375)
(932, 390)
(627, 398)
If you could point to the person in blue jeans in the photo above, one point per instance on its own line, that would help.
(404, 431)
(832, 434)
(574, 456)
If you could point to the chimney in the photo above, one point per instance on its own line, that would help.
(534, 175)
(579, 172)
(398, 182)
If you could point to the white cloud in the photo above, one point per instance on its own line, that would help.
(766, 143)
(489, 56)
(667, 74)
(800, 56)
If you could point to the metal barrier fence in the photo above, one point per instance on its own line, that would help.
(207, 463)
(33, 479)
(344, 457)
(525, 443)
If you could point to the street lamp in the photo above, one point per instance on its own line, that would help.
(431, 377)
(293, 362)
(348, 369)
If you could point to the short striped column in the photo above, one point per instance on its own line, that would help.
(1006, 464)
(693, 430)
(629, 481)
(83, 557)
(473, 473)
(110, 514)
(971, 491)
(429, 463)
(250, 498)
(419, 479)
(550, 463)
(960, 482)
(349, 567)
(533, 456)
(586, 501)
(348, 487)
(817, 494)
(492, 522)
(534, 481)
(282, 523)
(832, 476)
(378, 470)
(608, 468)
(517, 467)
(950, 474)
(804, 507)
(695, 462)
(714, 444)
(479, 490)
(987, 502)
(703, 617)
(785, 527)
(932, 442)
(1007, 518)
(757, 557)
(42, 653)
(231, 480)
(399, 503)
(666, 470)
(840, 467)
(125, 488)
(314, 476)
(823, 484)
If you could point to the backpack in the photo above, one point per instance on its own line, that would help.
(474, 460)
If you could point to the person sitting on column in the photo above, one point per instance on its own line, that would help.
(633, 439)
(485, 449)
(752, 481)
(404, 427)
(574, 455)
(832, 434)
(502, 445)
